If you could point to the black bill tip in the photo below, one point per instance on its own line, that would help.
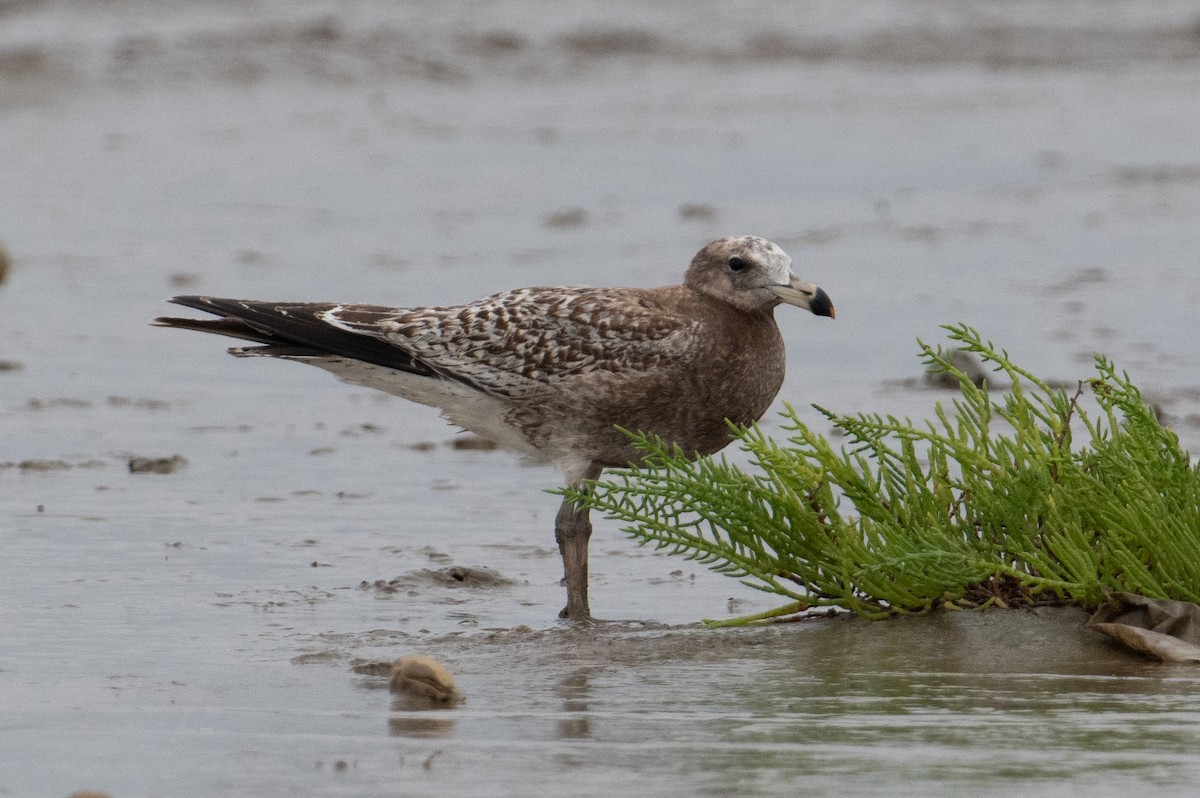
(821, 305)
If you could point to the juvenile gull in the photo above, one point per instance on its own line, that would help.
(551, 372)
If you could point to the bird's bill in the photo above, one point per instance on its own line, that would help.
(805, 295)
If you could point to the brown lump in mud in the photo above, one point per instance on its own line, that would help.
(425, 680)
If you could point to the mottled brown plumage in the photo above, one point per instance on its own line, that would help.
(551, 372)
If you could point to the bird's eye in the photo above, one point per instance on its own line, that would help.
(736, 264)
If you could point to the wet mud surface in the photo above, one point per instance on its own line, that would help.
(208, 562)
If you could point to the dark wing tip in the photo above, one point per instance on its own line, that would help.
(289, 329)
(233, 328)
(210, 304)
(189, 300)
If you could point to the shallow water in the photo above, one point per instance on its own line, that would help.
(193, 632)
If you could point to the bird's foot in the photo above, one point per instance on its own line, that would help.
(580, 615)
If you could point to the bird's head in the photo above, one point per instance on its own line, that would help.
(753, 275)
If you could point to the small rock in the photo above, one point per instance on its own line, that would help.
(141, 403)
(496, 42)
(697, 211)
(571, 217)
(611, 41)
(468, 576)
(965, 362)
(373, 667)
(424, 681)
(157, 465)
(250, 257)
(326, 30)
(43, 465)
(5, 263)
(472, 443)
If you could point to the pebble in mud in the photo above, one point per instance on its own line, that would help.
(423, 682)
(570, 217)
(698, 212)
(473, 443)
(157, 465)
(965, 362)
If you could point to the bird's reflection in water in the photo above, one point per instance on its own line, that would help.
(574, 689)
(426, 724)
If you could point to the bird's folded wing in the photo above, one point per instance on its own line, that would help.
(518, 342)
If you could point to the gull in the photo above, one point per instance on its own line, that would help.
(558, 373)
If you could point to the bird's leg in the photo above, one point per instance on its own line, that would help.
(573, 530)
